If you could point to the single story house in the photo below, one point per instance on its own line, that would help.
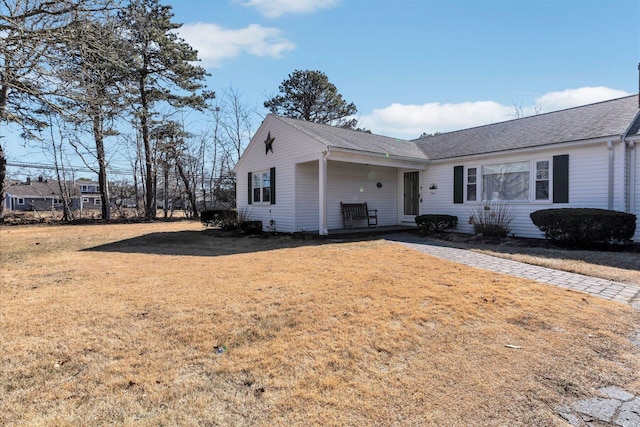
(294, 175)
(45, 195)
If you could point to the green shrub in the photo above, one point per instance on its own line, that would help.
(492, 218)
(225, 219)
(585, 226)
(436, 223)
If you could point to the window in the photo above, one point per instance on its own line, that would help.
(472, 184)
(262, 187)
(529, 181)
(85, 200)
(542, 180)
(506, 181)
(20, 201)
(266, 187)
(97, 201)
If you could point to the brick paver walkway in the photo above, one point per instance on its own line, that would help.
(613, 291)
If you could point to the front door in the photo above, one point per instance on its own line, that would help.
(411, 195)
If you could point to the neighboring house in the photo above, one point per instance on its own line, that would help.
(294, 174)
(40, 195)
(89, 196)
(43, 195)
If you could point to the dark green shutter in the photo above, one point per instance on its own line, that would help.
(272, 184)
(250, 193)
(458, 184)
(561, 179)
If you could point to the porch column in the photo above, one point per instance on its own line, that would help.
(322, 191)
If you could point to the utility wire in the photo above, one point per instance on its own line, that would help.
(71, 168)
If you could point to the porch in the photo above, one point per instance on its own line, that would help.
(392, 189)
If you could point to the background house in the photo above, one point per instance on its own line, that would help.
(294, 174)
(45, 195)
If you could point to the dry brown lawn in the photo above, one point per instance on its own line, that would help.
(167, 324)
(621, 267)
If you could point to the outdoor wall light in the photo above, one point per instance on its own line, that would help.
(379, 185)
(433, 187)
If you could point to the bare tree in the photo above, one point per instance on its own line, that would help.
(237, 124)
(30, 31)
(517, 111)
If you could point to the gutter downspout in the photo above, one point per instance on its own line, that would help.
(630, 164)
(611, 164)
(323, 231)
(632, 177)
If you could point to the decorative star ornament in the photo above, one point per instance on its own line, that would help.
(268, 144)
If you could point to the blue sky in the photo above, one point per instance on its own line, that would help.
(414, 66)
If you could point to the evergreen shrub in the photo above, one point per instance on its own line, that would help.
(585, 226)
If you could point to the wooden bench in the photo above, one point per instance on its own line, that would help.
(351, 211)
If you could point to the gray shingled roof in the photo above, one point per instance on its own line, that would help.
(35, 189)
(604, 119)
(333, 136)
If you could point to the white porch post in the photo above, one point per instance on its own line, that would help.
(322, 191)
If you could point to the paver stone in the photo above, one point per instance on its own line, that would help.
(598, 408)
(617, 393)
(629, 415)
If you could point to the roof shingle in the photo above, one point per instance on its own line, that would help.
(603, 119)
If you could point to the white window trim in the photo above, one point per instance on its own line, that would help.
(85, 200)
(466, 183)
(97, 201)
(549, 200)
(532, 181)
(253, 187)
(20, 200)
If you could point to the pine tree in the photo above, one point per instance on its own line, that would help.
(308, 95)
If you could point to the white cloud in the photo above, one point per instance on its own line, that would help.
(215, 43)
(553, 101)
(410, 121)
(275, 8)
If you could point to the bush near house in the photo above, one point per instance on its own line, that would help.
(223, 218)
(585, 226)
(436, 223)
(230, 220)
(251, 227)
(492, 218)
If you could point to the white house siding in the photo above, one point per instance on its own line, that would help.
(588, 186)
(357, 183)
(307, 196)
(636, 208)
(288, 145)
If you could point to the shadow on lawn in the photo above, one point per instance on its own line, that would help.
(211, 243)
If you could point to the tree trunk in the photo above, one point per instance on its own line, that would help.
(3, 174)
(150, 209)
(103, 183)
(166, 187)
(4, 93)
(187, 187)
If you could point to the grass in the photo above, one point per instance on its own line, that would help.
(167, 324)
